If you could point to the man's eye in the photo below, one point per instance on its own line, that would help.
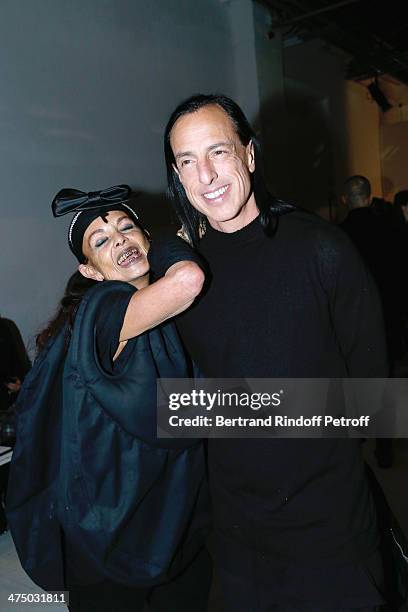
(219, 152)
(185, 162)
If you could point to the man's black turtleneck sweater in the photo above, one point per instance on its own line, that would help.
(299, 304)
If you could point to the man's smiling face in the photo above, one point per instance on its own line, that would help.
(214, 167)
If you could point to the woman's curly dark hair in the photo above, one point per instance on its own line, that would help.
(75, 289)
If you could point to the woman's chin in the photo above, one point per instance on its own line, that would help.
(130, 272)
(137, 275)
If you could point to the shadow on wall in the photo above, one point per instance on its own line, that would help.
(298, 151)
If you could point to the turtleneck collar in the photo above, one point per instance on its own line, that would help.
(249, 233)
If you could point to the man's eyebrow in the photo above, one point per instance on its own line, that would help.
(222, 143)
(183, 154)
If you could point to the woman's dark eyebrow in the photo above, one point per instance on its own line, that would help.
(124, 217)
(97, 231)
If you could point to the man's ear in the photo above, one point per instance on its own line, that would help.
(250, 152)
(90, 272)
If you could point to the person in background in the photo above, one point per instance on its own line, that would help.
(400, 229)
(14, 362)
(14, 365)
(400, 211)
(381, 207)
(373, 236)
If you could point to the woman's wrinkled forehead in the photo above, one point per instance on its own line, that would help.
(108, 217)
(106, 221)
(84, 219)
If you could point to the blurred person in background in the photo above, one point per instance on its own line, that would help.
(371, 231)
(14, 362)
(14, 365)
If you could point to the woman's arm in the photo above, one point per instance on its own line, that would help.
(163, 299)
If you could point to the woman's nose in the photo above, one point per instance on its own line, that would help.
(120, 239)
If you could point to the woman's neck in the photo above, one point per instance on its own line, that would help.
(141, 282)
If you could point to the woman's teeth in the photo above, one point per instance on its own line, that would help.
(127, 254)
(215, 194)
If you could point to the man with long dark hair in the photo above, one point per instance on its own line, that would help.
(295, 525)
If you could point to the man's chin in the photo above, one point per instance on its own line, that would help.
(220, 212)
(224, 216)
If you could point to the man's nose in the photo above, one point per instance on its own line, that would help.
(206, 172)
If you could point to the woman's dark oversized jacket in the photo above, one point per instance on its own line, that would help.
(88, 464)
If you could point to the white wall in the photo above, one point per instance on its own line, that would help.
(87, 87)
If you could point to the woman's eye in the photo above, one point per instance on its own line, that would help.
(126, 227)
(100, 242)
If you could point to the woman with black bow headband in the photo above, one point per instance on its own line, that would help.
(97, 504)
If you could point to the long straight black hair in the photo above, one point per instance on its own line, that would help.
(270, 207)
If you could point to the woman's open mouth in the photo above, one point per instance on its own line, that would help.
(128, 257)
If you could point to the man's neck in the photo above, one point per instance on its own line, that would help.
(246, 215)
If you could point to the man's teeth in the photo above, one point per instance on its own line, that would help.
(215, 194)
(127, 254)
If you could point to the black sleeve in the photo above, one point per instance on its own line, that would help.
(168, 250)
(355, 308)
(108, 325)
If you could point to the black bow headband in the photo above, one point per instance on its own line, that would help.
(72, 200)
(89, 206)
